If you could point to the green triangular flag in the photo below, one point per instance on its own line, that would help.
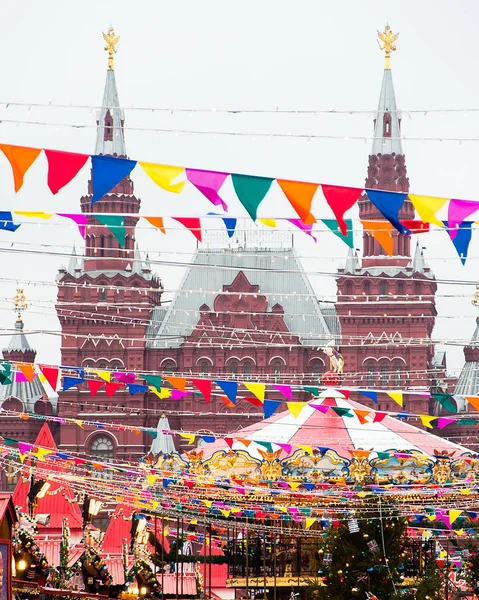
(446, 401)
(383, 455)
(251, 191)
(312, 390)
(342, 412)
(4, 380)
(334, 226)
(153, 380)
(116, 224)
(9, 441)
(266, 445)
(467, 421)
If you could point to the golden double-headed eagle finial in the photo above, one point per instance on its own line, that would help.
(20, 301)
(387, 38)
(111, 40)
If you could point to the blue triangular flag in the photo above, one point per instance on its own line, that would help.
(230, 225)
(209, 439)
(389, 204)
(69, 382)
(106, 172)
(135, 388)
(6, 222)
(230, 388)
(370, 394)
(462, 239)
(269, 407)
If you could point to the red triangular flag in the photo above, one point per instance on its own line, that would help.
(51, 375)
(111, 387)
(191, 223)
(254, 401)
(229, 441)
(379, 416)
(204, 385)
(341, 199)
(94, 386)
(227, 402)
(345, 393)
(62, 167)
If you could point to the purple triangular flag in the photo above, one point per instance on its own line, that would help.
(209, 184)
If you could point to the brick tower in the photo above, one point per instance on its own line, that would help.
(104, 302)
(384, 301)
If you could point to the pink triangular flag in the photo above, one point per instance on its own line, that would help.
(286, 390)
(458, 211)
(209, 183)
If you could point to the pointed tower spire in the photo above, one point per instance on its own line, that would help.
(19, 348)
(418, 263)
(110, 138)
(352, 262)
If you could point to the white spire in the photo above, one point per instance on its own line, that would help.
(74, 264)
(110, 141)
(387, 126)
(162, 443)
(352, 262)
(418, 264)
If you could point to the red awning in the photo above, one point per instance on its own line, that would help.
(51, 550)
(186, 584)
(116, 570)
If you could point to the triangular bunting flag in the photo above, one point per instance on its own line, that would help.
(341, 199)
(427, 420)
(254, 401)
(446, 401)
(461, 239)
(94, 386)
(473, 401)
(193, 224)
(300, 195)
(157, 222)
(227, 402)
(286, 390)
(251, 191)
(6, 221)
(69, 382)
(459, 210)
(209, 184)
(135, 388)
(257, 389)
(348, 237)
(370, 394)
(188, 436)
(267, 222)
(204, 386)
(379, 416)
(110, 388)
(267, 445)
(177, 382)
(269, 407)
(153, 380)
(164, 175)
(107, 172)
(230, 388)
(115, 224)
(382, 233)
(27, 369)
(309, 521)
(63, 167)
(361, 415)
(81, 221)
(389, 204)
(51, 375)
(21, 159)
(295, 408)
(396, 395)
(105, 375)
(427, 207)
(454, 515)
(286, 447)
(444, 422)
(342, 412)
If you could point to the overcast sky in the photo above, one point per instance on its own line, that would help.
(245, 55)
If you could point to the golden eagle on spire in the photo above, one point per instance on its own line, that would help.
(387, 38)
(111, 40)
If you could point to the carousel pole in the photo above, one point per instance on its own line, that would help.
(209, 566)
(177, 553)
(264, 565)
(275, 549)
(182, 556)
(162, 555)
(247, 559)
(204, 557)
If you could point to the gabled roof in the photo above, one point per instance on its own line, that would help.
(277, 272)
(118, 529)
(58, 505)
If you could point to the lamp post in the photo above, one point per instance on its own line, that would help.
(38, 489)
(90, 509)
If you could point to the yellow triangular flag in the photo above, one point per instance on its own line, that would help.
(268, 222)
(454, 514)
(466, 492)
(294, 485)
(310, 521)
(154, 504)
(191, 437)
(42, 452)
(208, 503)
(151, 479)
(194, 522)
(396, 395)
(426, 420)
(105, 375)
(166, 531)
(77, 422)
(256, 389)
(427, 207)
(460, 531)
(431, 517)
(307, 449)
(224, 512)
(295, 408)
(33, 214)
(162, 393)
(164, 175)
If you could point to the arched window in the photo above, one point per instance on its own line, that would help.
(102, 295)
(317, 372)
(400, 288)
(366, 244)
(417, 288)
(384, 375)
(367, 288)
(103, 450)
(110, 245)
(204, 367)
(102, 245)
(277, 371)
(234, 369)
(370, 370)
(102, 366)
(381, 251)
(397, 374)
(247, 369)
(349, 289)
(169, 368)
(384, 288)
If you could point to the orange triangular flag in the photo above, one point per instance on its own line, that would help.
(474, 400)
(177, 382)
(300, 195)
(227, 402)
(361, 415)
(382, 232)
(21, 159)
(27, 369)
(244, 441)
(157, 222)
